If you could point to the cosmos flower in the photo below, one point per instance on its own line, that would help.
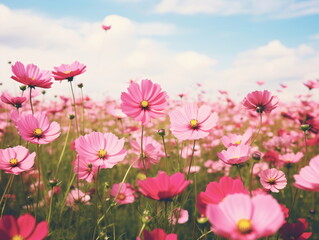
(144, 101)
(23, 228)
(260, 101)
(289, 158)
(124, 193)
(308, 177)
(103, 150)
(240, 217)
(16, 160)
(31, 75)
(273, 179)
(235, 154)
(14, 101)
(235, 139)
(66, 71)
(295, 231)
(190, 122)
(76, 197)
(37, 128)
(163, 187)
(85, 169)
(157, 234)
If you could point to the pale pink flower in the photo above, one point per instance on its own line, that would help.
(240, 217)
(85, 169)
(235, 154)
(31, 75)
(16, 160)
(235, 139)
(37, 128)
(310, 84)
(273, 179)
(179, 216)
(68, 72)
(260, 101)
(104, 150)
(308, 177)
(291, 157)
(124, 193)
(190, 122)
(76, 197)
(14, 101)
(144, 101)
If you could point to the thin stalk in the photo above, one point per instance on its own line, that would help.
(192, 157)
(259, 128)
(239, 172)
(251, 177)
(74, 109)
(30, 98)
(142, 150)
(50, 208)
(64, 147)
(82, 116)
(66, 193)
(203, 235)
(39, 178)
(24, 193)
(7, 188)
(141, 230)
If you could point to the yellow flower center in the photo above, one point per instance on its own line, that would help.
(144, 104)
(101, 153)
(271, 180)
(121, 196)
(235, 157)
(13, 162)
(38, 132)
(288, 160)
(17, 237)
(193, 123)
(244, 226)
(238, 142)
(67, 72)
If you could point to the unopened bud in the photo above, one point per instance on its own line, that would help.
(161, 132)
(304, 127)
(80, 85)
(71, 116)
(256, 155)
(23, 88)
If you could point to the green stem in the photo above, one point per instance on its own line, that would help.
(39, 178)
(30, 98)
(191, 161)
(64, 147)
(141, 230)
(74, 109)
(258, 131)
(142, 150)
(203, 235)
(50, 209)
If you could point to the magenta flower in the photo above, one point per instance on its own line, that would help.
(16, 160)
(260, 101)
(163, 187)
(14, 101)
(143, 102)
(124, 193)
(243, 218)
(216, 192)
(23, 228)
(104, 150)
(190, 122)
(308, 177)
(235, 154)
(85, 169)
(296, 231)
(31, 75)
(273, 179)
(37, 128)
(66, 71)
(158, 234)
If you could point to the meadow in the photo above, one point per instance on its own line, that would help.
(154, 167)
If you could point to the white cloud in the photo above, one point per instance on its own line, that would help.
(273, 8)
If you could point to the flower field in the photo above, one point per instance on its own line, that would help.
(150, 166)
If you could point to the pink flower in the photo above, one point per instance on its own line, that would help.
(308, 177)
(66, 71)
(124, 193)
(31, 75)
(158, 234)
(143, 102)
(273, 179)
(260, 101)
(37, 128)
(235, 140)
(243, 218)
(235, 154)
(216, 192)
(16, 160)
(291, 158)
(76, 197)
(14, 101)
(295, 231)
(190, 123)
(106, 28)
(85, 169)
(163, 187)
(23, 228)
(179, 216)
(104, 150)
(310, 84)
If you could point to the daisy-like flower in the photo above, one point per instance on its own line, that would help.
(158, 234)
(143, 102)
(37, 128)
(31, 75)
(124, 193)
(273, 179)
(85, 169)
(16, 160)
(235, 139)
(163, 187)
(216, 192)
(66, 71)
(14, 101)
(291, 158)
(235, 154)
(23, 228)
(104, 150)
(308, 177)
(240, 217)
(260, 101)
(190, 122)
(76, 197)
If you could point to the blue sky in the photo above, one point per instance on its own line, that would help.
(220, 35)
